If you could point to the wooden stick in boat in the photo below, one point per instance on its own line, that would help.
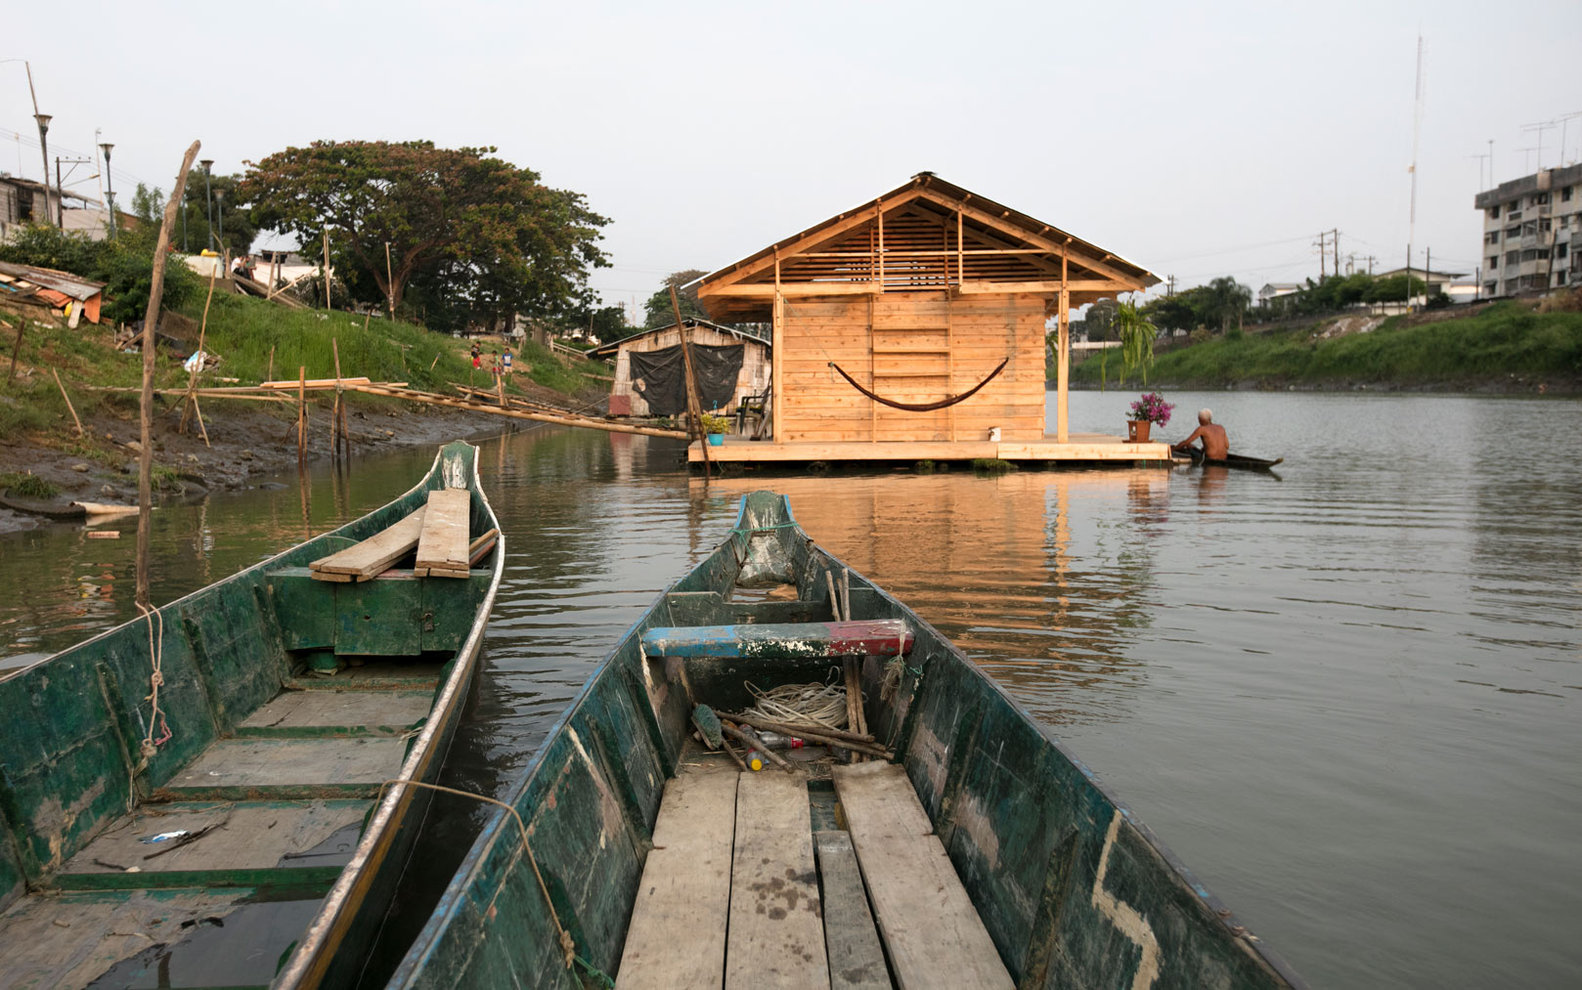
(853, 702)
(834, 599)
(786, 728)
(747, 737)
(815, 736)
(731, 752)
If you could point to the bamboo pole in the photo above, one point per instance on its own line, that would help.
(302, 419)
(271, 372)
(326, 268)
(694, 403)
(389, 283)
(335, 410)
(514, 412)
(21, 325)
(69, 407)
(191, 404)
(145, 461)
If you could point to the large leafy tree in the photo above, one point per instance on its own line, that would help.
(1227, 301)
(659, 313)
(477, 236)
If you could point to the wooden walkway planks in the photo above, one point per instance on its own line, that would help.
(677, 933)
(374, 554)
(930, 926)
(442, 549)
(856, 959)
(776, 925)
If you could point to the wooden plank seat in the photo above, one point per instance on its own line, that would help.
(806, 640)
(442, 549)
(366, 559)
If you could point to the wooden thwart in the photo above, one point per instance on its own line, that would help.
(677, 933)
(442, 549)
(933, 933)
(374, 554)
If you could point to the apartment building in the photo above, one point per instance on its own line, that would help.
(1532, 232)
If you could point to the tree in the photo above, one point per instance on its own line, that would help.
(481, 237)
(1099, 321)
(1175, 312)
(1227, 301)
(659, 313)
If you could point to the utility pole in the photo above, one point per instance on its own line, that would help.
(1321, 245)
(1170, 286)
(208, 198)
(1371, 260)
(1334, 235)
(109, 184)
(43, 146)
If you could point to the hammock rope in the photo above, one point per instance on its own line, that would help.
(921, 406)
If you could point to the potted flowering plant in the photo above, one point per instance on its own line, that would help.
(1151, 408)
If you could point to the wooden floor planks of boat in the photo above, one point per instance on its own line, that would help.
(362, 712)
(776, 926)
(933, 933)
(677, 933)
(856, 958)
(255, 767)
(265, 835)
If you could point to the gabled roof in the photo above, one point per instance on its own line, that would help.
(609, 350)
(934, 235)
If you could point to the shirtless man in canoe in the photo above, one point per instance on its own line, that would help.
(1215, 444)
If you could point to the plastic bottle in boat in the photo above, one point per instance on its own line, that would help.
(775, 740)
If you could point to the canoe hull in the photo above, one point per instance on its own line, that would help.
(1072, 890)
(225, 651)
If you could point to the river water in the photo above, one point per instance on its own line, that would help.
(1348, 695)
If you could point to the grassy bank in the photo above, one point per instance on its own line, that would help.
(1488, 349)
(255, 340)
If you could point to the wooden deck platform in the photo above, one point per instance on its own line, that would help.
(742, 890)
(1081, 447)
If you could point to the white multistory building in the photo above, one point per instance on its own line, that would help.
(1532, 233)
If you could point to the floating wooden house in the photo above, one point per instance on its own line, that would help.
(913, 327)
(650, 374)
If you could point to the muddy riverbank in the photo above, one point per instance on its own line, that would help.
(246, 446)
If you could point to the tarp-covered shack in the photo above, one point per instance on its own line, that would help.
(918, 316)
(650, 371)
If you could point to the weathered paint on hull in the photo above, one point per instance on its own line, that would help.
(1073, 891)
(69, 758)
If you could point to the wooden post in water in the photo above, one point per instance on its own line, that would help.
(694, 402)
(302, 418)
(145, 460)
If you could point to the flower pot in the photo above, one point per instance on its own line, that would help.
(716, 439)
(1137, 430)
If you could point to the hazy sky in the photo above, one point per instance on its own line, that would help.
(1195, 140)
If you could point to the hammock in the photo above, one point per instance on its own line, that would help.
(922, 406)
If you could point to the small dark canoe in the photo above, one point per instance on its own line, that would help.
(981, 854)
(252, 831)
(1230, 460)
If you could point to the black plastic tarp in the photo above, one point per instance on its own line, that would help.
(660, 377)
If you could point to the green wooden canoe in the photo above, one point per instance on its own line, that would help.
(979, 854)
(247, 832)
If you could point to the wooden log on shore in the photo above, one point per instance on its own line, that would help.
(562, 419)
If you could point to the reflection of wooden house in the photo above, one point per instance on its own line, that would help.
(919, 318)
(650, 373)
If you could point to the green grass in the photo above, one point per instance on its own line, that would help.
(27, 485)
(992, 465)
(1503, 340)
(243, 332)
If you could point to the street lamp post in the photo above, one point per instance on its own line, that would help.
(208, 197)
(43, 146)
(109, 184)
(219, 208)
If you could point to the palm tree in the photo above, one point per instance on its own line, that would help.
(1227, 301)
